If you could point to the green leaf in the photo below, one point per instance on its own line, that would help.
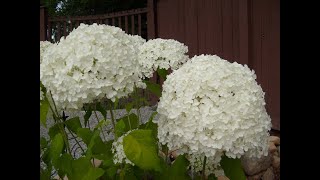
(85, 134)
(55, 129)
(120, 128)
(129, 107)
(112, 172)
(232, 168)
(108, 162)
(178, 169)
(44, 107)
(164, 173)
(96, 145)
(138, 172)
(82, 169)
(128, 173)
(64, 165)
(151, 125)
(87, 116)
(131, 121)
(43, 142)
(56, 148)
(126, 124)
(106, 156)
(140, 147)
(154, 88)
(101, 109)
(45, 174)
(162, 73)
(46, 157)
(93, 174)
(73, 124)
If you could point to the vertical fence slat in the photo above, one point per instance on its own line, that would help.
(65, 28)
(244, 33)
(119, 22)
(71, 26)
(43, 23)
(227, 30)
(151, 20)
(107, 21)
(151, 34)
(113, 21)
(126, 24)
(139, 24)
(235, 22)
(58, 31)
(49, 31)
(132, 24)
(77, 23)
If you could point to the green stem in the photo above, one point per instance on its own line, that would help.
(129, 123)
(113, 123)
(54, 104)
(85, 111)
(61, 128)
(204, 168)
(137, 103)
(95, 113)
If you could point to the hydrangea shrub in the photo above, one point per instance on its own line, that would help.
(211, 107)
(210, 113)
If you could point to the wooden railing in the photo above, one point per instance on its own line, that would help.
(137, 21)
(132, 22)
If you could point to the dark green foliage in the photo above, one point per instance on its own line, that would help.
(89, 7)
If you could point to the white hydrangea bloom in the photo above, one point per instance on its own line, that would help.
(118, 151)
(43, 46)
(209, 106)
(92, 62)
(212, 164)
(161, 53)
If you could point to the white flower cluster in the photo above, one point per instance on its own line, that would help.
(43, 46)
(92, 62)
(161, 53)
(118, 151)
(212, 164)
(211, 106)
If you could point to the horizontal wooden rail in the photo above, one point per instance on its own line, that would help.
(100, 17)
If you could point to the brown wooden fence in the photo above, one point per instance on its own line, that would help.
(246, 31)
(132, 21)
(136, 21)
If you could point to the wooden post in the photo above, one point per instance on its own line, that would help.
(244, 33)
(43, 23)
(151, 26)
